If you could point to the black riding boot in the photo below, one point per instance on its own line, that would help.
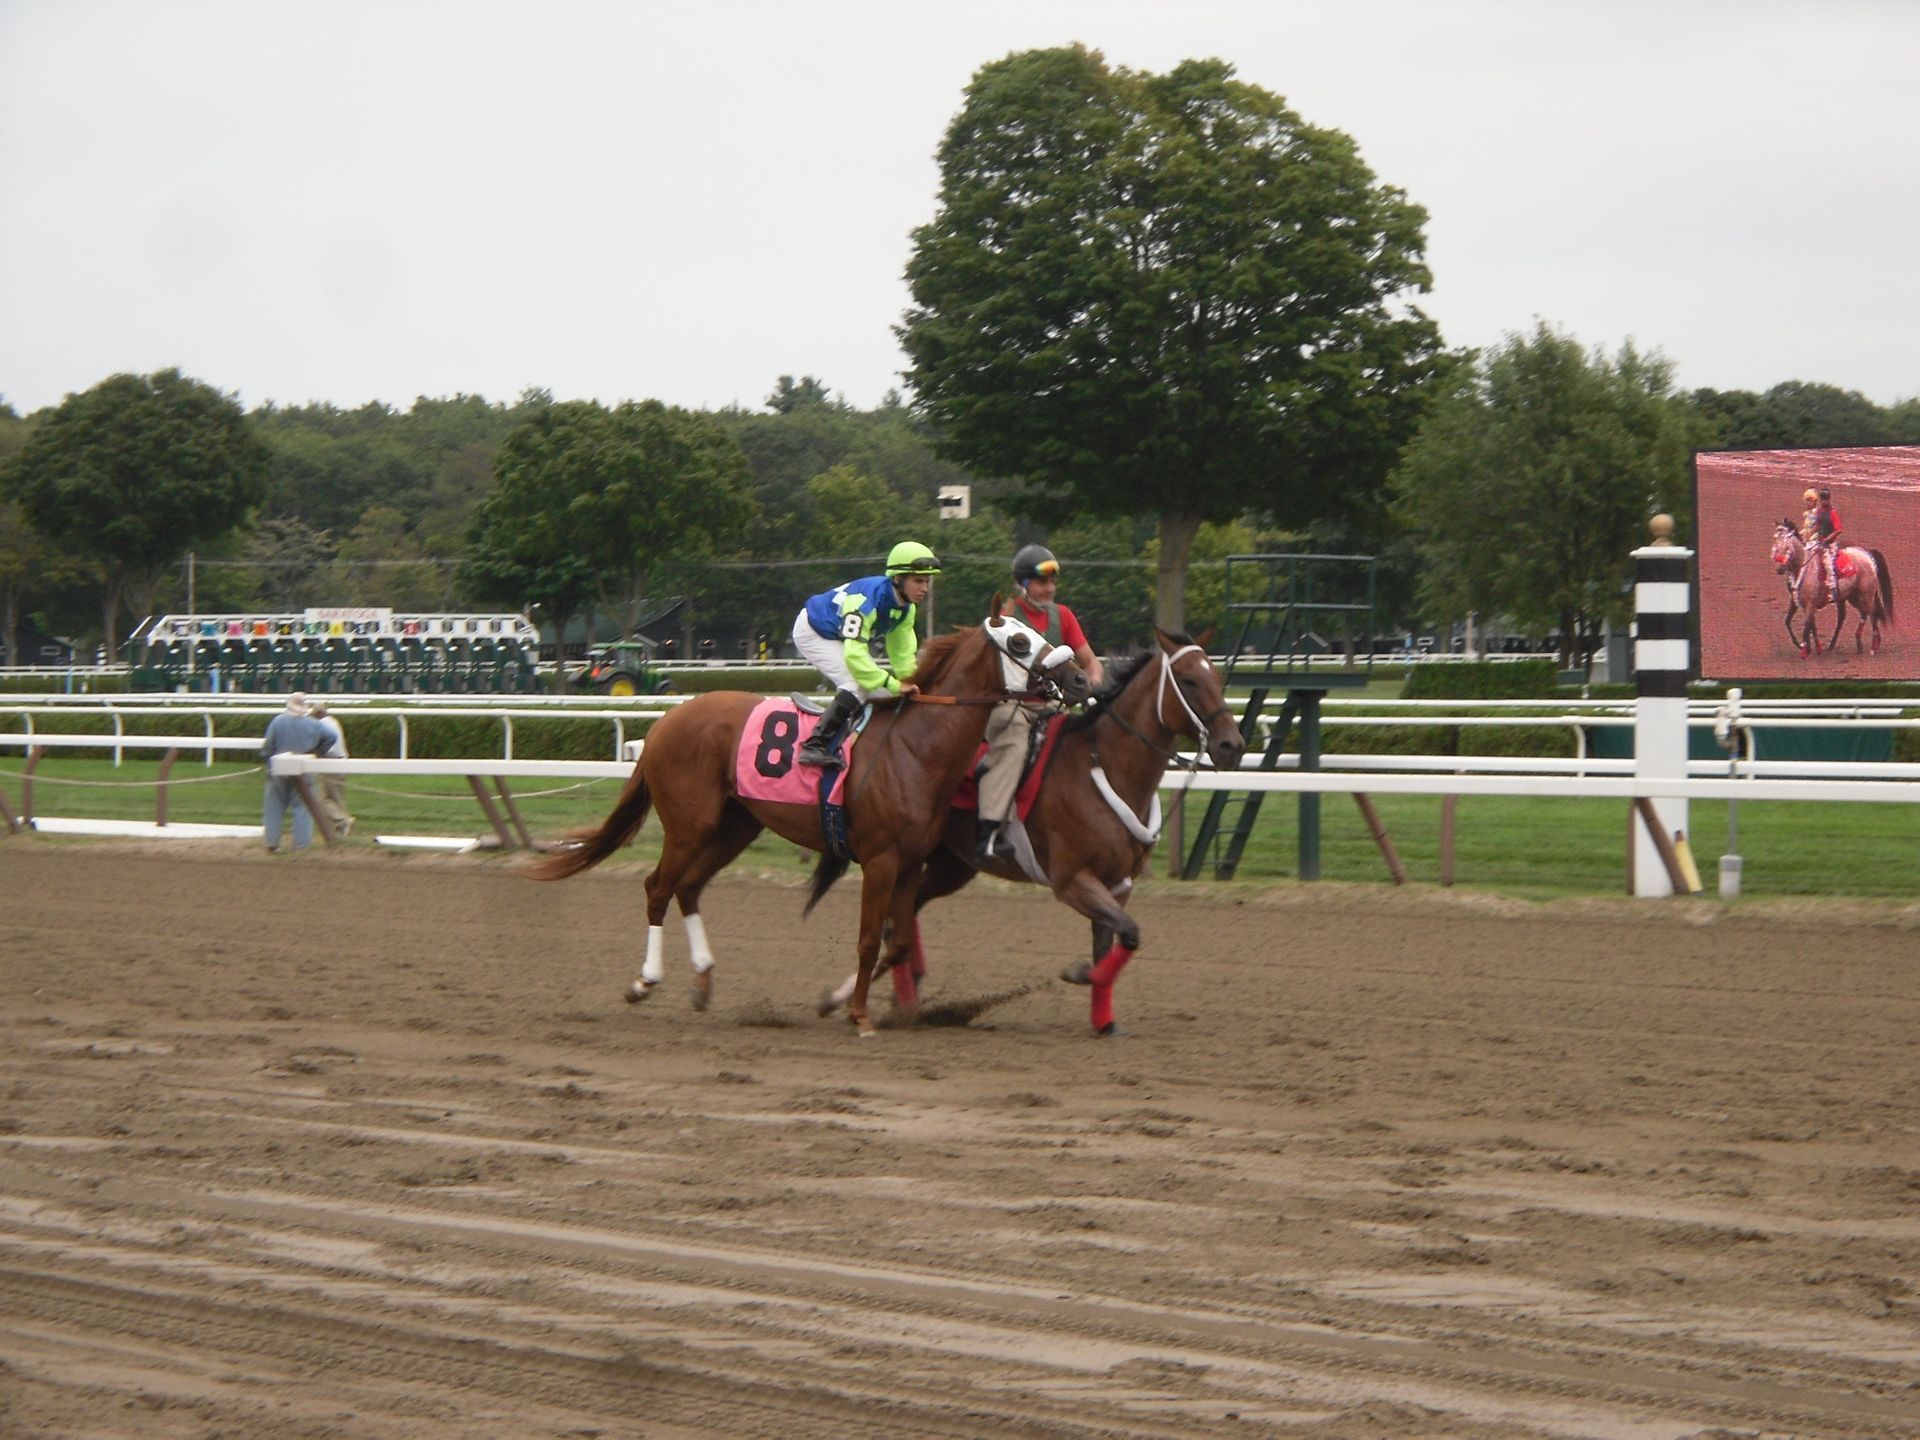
(818, 747)
(993, 843)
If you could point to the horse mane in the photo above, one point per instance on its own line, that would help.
(937, 655)
(1119, 675)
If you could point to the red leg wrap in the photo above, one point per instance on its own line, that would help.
(1102, 1015)
(919, 951)
(905, 993)
(1102, 976)
(1107, 969)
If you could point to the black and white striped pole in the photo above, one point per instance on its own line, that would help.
(1662, 665)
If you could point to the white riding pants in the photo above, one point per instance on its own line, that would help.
(829, 657)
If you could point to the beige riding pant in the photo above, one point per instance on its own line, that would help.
(1007, 731)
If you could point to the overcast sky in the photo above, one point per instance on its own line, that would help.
(319, 200)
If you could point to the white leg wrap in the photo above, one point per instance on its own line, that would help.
(697, 937)
(845, 992)
(654, 970)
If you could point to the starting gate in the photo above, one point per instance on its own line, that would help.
(336, 650)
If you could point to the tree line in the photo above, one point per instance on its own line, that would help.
(1154, 320)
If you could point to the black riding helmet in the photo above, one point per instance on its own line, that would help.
(1032, 562)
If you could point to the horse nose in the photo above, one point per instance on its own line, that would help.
(1228, 750)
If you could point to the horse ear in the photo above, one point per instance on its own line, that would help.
(994, 614)
(1205, 639)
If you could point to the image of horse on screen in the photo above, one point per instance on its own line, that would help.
(1802, 558)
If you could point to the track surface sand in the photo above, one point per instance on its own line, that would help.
(354, 1145)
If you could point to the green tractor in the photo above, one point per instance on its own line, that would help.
(618, 667)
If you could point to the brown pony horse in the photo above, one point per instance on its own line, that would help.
(1086, 849)
(1869, 589)
(901, 776)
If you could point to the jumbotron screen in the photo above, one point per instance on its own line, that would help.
(1775, 607)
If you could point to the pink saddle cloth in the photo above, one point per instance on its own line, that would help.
(764, 767)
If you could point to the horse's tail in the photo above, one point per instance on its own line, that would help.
(587, 848)
(830, 869)
(1886, 583)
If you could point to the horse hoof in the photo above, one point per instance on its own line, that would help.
(1109, 1031)
(639, 990)
(826, 1004)
(1080, 973)
(700, 992)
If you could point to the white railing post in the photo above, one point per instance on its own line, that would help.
(1662, 663)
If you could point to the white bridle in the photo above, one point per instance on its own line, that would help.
(1148, 832)
(1166, 684)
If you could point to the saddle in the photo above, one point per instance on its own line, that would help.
(1844, 566)
(765, 767)
(764, 764)
(1040, 744)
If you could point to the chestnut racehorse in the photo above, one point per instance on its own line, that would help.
(1097, 814)
(1869, 589)
(900, 779)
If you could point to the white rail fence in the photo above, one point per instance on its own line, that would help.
(1740, 777)
(33, 711)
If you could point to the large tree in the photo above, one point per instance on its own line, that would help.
(1533, 479)
(1167, 296)
(33, 571)
(597, 506)
(133, 474)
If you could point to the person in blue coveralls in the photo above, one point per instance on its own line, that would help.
(835, 628)
(293, 731)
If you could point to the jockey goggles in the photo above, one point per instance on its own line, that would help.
(1047, 570)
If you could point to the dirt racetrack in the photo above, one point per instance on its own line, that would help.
(354, 1145)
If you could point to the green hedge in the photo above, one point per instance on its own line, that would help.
(1483, 680)
(57, 685)
(769, 681)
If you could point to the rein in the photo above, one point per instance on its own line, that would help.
(1046, 691)
(1200, 723)
(918, 698)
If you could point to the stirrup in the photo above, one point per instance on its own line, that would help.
(819, 756)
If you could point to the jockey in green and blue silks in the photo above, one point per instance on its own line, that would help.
(835, 628)
(860, 612)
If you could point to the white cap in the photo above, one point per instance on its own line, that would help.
(297, 703)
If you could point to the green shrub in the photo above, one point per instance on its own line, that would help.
(109, 684)
(770, 680)
(1380, 739)
(1483, 680)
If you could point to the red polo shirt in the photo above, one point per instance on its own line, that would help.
(1071, 635)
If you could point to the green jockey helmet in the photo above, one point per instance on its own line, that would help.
(910, 557)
